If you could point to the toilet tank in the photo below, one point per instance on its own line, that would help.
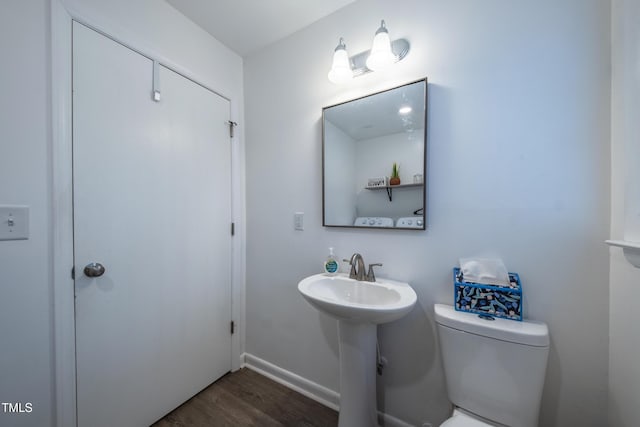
(493, 368)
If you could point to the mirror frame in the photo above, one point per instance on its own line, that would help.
(424, 160)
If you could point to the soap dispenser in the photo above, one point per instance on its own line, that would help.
(331, 264)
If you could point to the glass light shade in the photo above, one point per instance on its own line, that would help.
(381, 55)
(341, 71)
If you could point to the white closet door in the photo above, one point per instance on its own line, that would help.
(152, 204)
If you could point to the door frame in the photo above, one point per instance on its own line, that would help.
(61, 190)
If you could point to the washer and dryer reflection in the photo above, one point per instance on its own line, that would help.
(373, 221)
(410, 222)
(377, 221)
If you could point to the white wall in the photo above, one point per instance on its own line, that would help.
(158, 28)
(25, 294)
(352, 163)
(375, 157)
(624, 370)
(26, 351)
(518, 164)
(339, 179)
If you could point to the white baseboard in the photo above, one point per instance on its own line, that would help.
(293, 381)
(314, 391)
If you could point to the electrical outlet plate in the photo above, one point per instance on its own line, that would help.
(14, 222)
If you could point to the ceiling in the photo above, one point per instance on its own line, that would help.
(378, 114)
(246, 26)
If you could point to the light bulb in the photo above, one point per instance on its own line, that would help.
(341, 71)
(381, 55)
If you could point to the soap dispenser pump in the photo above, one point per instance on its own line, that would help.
(331, 264)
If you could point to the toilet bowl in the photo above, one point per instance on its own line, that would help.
(494, 368)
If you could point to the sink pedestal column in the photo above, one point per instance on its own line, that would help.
(357, 374)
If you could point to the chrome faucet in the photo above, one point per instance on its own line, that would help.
(358, 269)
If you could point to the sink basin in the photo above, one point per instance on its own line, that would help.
(348, 299)
(359, 308)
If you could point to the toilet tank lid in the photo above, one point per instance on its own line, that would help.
(527, 332)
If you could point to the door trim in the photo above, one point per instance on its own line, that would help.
(61, 226)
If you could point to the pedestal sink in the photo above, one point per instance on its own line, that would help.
(359, 308)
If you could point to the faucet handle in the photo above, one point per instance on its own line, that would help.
(370, 276)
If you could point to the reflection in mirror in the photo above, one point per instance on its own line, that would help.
(362, 139)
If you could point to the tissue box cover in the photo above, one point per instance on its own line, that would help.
(497, 301)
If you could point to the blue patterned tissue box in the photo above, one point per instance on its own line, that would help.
(496, 301)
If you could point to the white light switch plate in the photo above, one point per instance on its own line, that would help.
(14, 222)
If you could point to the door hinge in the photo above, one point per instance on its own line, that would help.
(231, 126)
(73, 273)
(233, 228)
(233, 327)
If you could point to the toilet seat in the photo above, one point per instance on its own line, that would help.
(462, 420)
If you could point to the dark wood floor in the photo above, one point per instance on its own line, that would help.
(246, 398)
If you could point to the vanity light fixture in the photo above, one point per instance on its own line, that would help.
(383, 54)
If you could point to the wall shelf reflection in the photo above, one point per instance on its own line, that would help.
(390, 188)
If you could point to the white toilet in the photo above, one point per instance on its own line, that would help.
(494, 369)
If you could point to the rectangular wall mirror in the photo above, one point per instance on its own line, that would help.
(361, 140)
